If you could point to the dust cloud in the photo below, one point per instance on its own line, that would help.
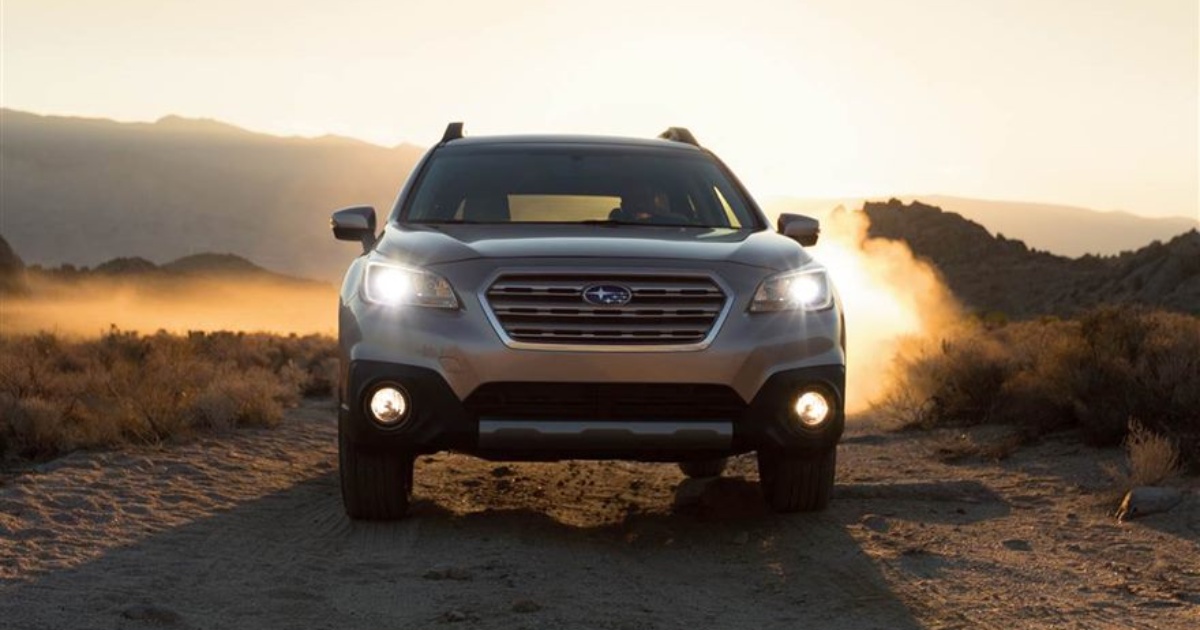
(889, 297)
(90, 306)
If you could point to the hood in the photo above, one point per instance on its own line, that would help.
(436, 244)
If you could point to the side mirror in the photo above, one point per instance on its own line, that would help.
(802, 229)
(355, 224)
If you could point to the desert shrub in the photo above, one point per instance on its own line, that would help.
(1150, 459)
(58, 395)
(1093, 373)
(1036, 393)
(253, 398)
(951, 381)
(1138, 363)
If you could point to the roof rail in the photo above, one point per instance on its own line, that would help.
(454, 131)
(679, 134)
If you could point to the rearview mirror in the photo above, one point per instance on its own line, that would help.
(802, 229)
(355, 224)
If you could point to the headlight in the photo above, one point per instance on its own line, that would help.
(808, 290)
(394, 286)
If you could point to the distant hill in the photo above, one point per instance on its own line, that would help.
(1063, 230)
(11, 269)
(992, 273)
(82, 191)
(213, 264)
(205, 265)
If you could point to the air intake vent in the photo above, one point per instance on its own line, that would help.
(606, 310)
(606, 401)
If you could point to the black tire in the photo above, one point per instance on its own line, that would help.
(375, 487)
(797, 483)
(704, 467)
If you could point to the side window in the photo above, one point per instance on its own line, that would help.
(730, 215)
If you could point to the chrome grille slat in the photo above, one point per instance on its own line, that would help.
(555, 312)
(538, 292)
(615, 335)
(678, 292)
(549, 309)
(598, 328)
(643, 298)
(578, 291)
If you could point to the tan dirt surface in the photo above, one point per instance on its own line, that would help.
(246, 530)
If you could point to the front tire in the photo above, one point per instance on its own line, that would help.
(703, 468)
(797, 483)
(375, 486)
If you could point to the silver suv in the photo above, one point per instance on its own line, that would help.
(575, 297)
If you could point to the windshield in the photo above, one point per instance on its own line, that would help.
(578, 186)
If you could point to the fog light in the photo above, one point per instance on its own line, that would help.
(389, 405)
(812, 408)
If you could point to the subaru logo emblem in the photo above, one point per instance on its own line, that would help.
(607, 295)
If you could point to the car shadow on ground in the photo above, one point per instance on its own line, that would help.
(292, 559)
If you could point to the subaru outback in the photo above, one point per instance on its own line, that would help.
(539, 298)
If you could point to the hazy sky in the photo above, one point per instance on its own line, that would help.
(1085, 102)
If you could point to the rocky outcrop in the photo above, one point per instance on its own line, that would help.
(991, 273)
(1161, 273)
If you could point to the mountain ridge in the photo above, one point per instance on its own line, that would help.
(995, 274)
(199, 125)
(1063, 229)
(207, 265)
(82, 191)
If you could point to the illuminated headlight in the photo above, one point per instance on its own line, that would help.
(395, 286)
(388, 405)
(807, 290)
(811, 408)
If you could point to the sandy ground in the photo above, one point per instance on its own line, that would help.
(246, 531)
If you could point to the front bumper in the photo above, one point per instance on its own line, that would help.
(439, 420)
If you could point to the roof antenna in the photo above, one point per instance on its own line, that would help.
(454, 131)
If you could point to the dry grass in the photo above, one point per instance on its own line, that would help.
(1152, 458)
(1092, 373)
(58, 395)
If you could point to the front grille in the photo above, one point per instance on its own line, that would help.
(664, 309)
(605, 401)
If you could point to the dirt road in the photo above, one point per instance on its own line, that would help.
(246, 531)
